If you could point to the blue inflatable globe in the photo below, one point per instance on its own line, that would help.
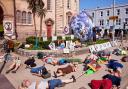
(82, 25)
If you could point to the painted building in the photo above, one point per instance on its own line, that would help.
(103, 17)
(59, 11)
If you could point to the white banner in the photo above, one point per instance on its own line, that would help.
(8, 28)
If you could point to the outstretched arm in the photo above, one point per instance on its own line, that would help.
(36, 74)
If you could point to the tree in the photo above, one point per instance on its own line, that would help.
(33, 5)
(41, 14)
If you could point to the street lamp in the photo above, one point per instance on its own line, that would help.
(113, 19)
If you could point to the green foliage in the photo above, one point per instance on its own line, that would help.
(68, 38)
(101, 41)
(1, 28)
(74, 60)
(59, 37)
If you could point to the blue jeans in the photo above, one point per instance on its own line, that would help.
(54, 83)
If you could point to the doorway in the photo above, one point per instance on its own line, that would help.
(1, 23)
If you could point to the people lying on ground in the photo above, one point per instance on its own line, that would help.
(55, 61)
(89, 58)
(124, 59)
(101, 84)
(104, 54)
(50, 84)
(14, 66)
(65, 70)
(30, 62)
(115, 80)
(41, 72)
(114, 65)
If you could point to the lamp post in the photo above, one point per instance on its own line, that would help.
(113, 20)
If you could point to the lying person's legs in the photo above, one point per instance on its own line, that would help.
(11, 67)
(59, 83)
(16, 68)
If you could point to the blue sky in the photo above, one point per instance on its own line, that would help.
(92, 4)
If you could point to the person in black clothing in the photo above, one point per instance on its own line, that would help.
(30, 62)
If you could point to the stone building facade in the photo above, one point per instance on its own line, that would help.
(60, 11)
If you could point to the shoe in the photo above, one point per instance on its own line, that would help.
(7, 71)
(74, 79)
(13, 71)
(55, 74)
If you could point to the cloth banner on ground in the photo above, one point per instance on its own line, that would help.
(97, 47)
(68, 44)
(92, 49)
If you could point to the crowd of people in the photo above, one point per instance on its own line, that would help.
(111, 80)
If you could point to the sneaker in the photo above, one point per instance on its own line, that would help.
(7, 71)
(55, 74)
(13, 71)
(74, 79)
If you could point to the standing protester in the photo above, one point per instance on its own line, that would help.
(94, 35)
(11, 45)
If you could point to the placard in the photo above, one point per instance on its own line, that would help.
(72, 37)
(65, 50)
(8, 28)
(52, 46)
(45, 38)
(54, 38)
(63, 37)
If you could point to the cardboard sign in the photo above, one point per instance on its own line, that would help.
(8, 28)
(92, 49)
(45, 39)
(72, 37)
(68, 44)
(54, 38)
(52, 46)
(63, 37)
(72, 48)
(65, 50)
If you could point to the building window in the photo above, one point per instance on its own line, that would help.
(126, 20)
(126, 10)
(107, 22)
(18, 16)
(118, 11)
(93, 14)
(101, 22)
(69, 4)
(101, 13)
(29, 18)
(118, 21)
(108, 13)
(48, 4)
(24, 17)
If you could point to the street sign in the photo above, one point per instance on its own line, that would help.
(113, 17)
